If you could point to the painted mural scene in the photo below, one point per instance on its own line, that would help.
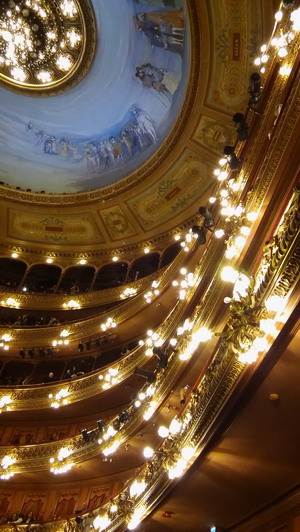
(117, 116)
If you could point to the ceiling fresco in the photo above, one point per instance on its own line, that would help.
(116, 117)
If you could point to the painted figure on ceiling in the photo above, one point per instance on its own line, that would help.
(158, 79)
(145, 123)
(160, 3)
(165, 29)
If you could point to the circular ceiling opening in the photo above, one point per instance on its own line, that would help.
(114, 120)
(43, 45)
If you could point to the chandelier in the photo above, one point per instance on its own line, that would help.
(43, 45)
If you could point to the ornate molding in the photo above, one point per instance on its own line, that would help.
(79, 330)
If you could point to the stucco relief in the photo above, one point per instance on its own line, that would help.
(60, 229)
(116, 223)
(99, 496)
(236, 40)
(214, 135)
(187, 181)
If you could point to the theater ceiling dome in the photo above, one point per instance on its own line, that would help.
(89, 91)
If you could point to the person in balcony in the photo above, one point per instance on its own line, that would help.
(15, 519)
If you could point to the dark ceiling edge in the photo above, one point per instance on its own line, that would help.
(281, 498)
(242, 395)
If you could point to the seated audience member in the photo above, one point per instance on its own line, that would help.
(16, 519)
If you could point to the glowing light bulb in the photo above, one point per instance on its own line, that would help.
(282, 52)
(267, 326)
(248, 357)
(163, 431)
(295, 18)
(275, 303)
(285, 70)
(260, 344)
(187, 452)
(148, 452)
(251, 216)
(175, 426)
(231, 252)
(223, 175)
(229, 274)
(245, 231)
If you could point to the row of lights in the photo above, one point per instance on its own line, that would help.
(5, 338)
(241, 283)
(179, 465)
(281, 43)
(82, 261)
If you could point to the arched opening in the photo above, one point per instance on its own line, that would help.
(48, 371)
(77, 279)
(144, 266)
(111, 275)
(11, 273)
(16, 373)
(108, 357)
(42, 278)
(170, 254)
(78, 367)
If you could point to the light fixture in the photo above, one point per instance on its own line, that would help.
(101, 522)
(49, 260)
(187, 452)
(248, 357)
(115, 258)
(251, 216)
(223, 175)
(274, 303)
(219, 233)
(295, 18)
(229, 274)
(136, 518)
(285, 70)
(282, 52)
(267, 326)
(163, 431)
(43, 48)
(82, 261)
(137, 488)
